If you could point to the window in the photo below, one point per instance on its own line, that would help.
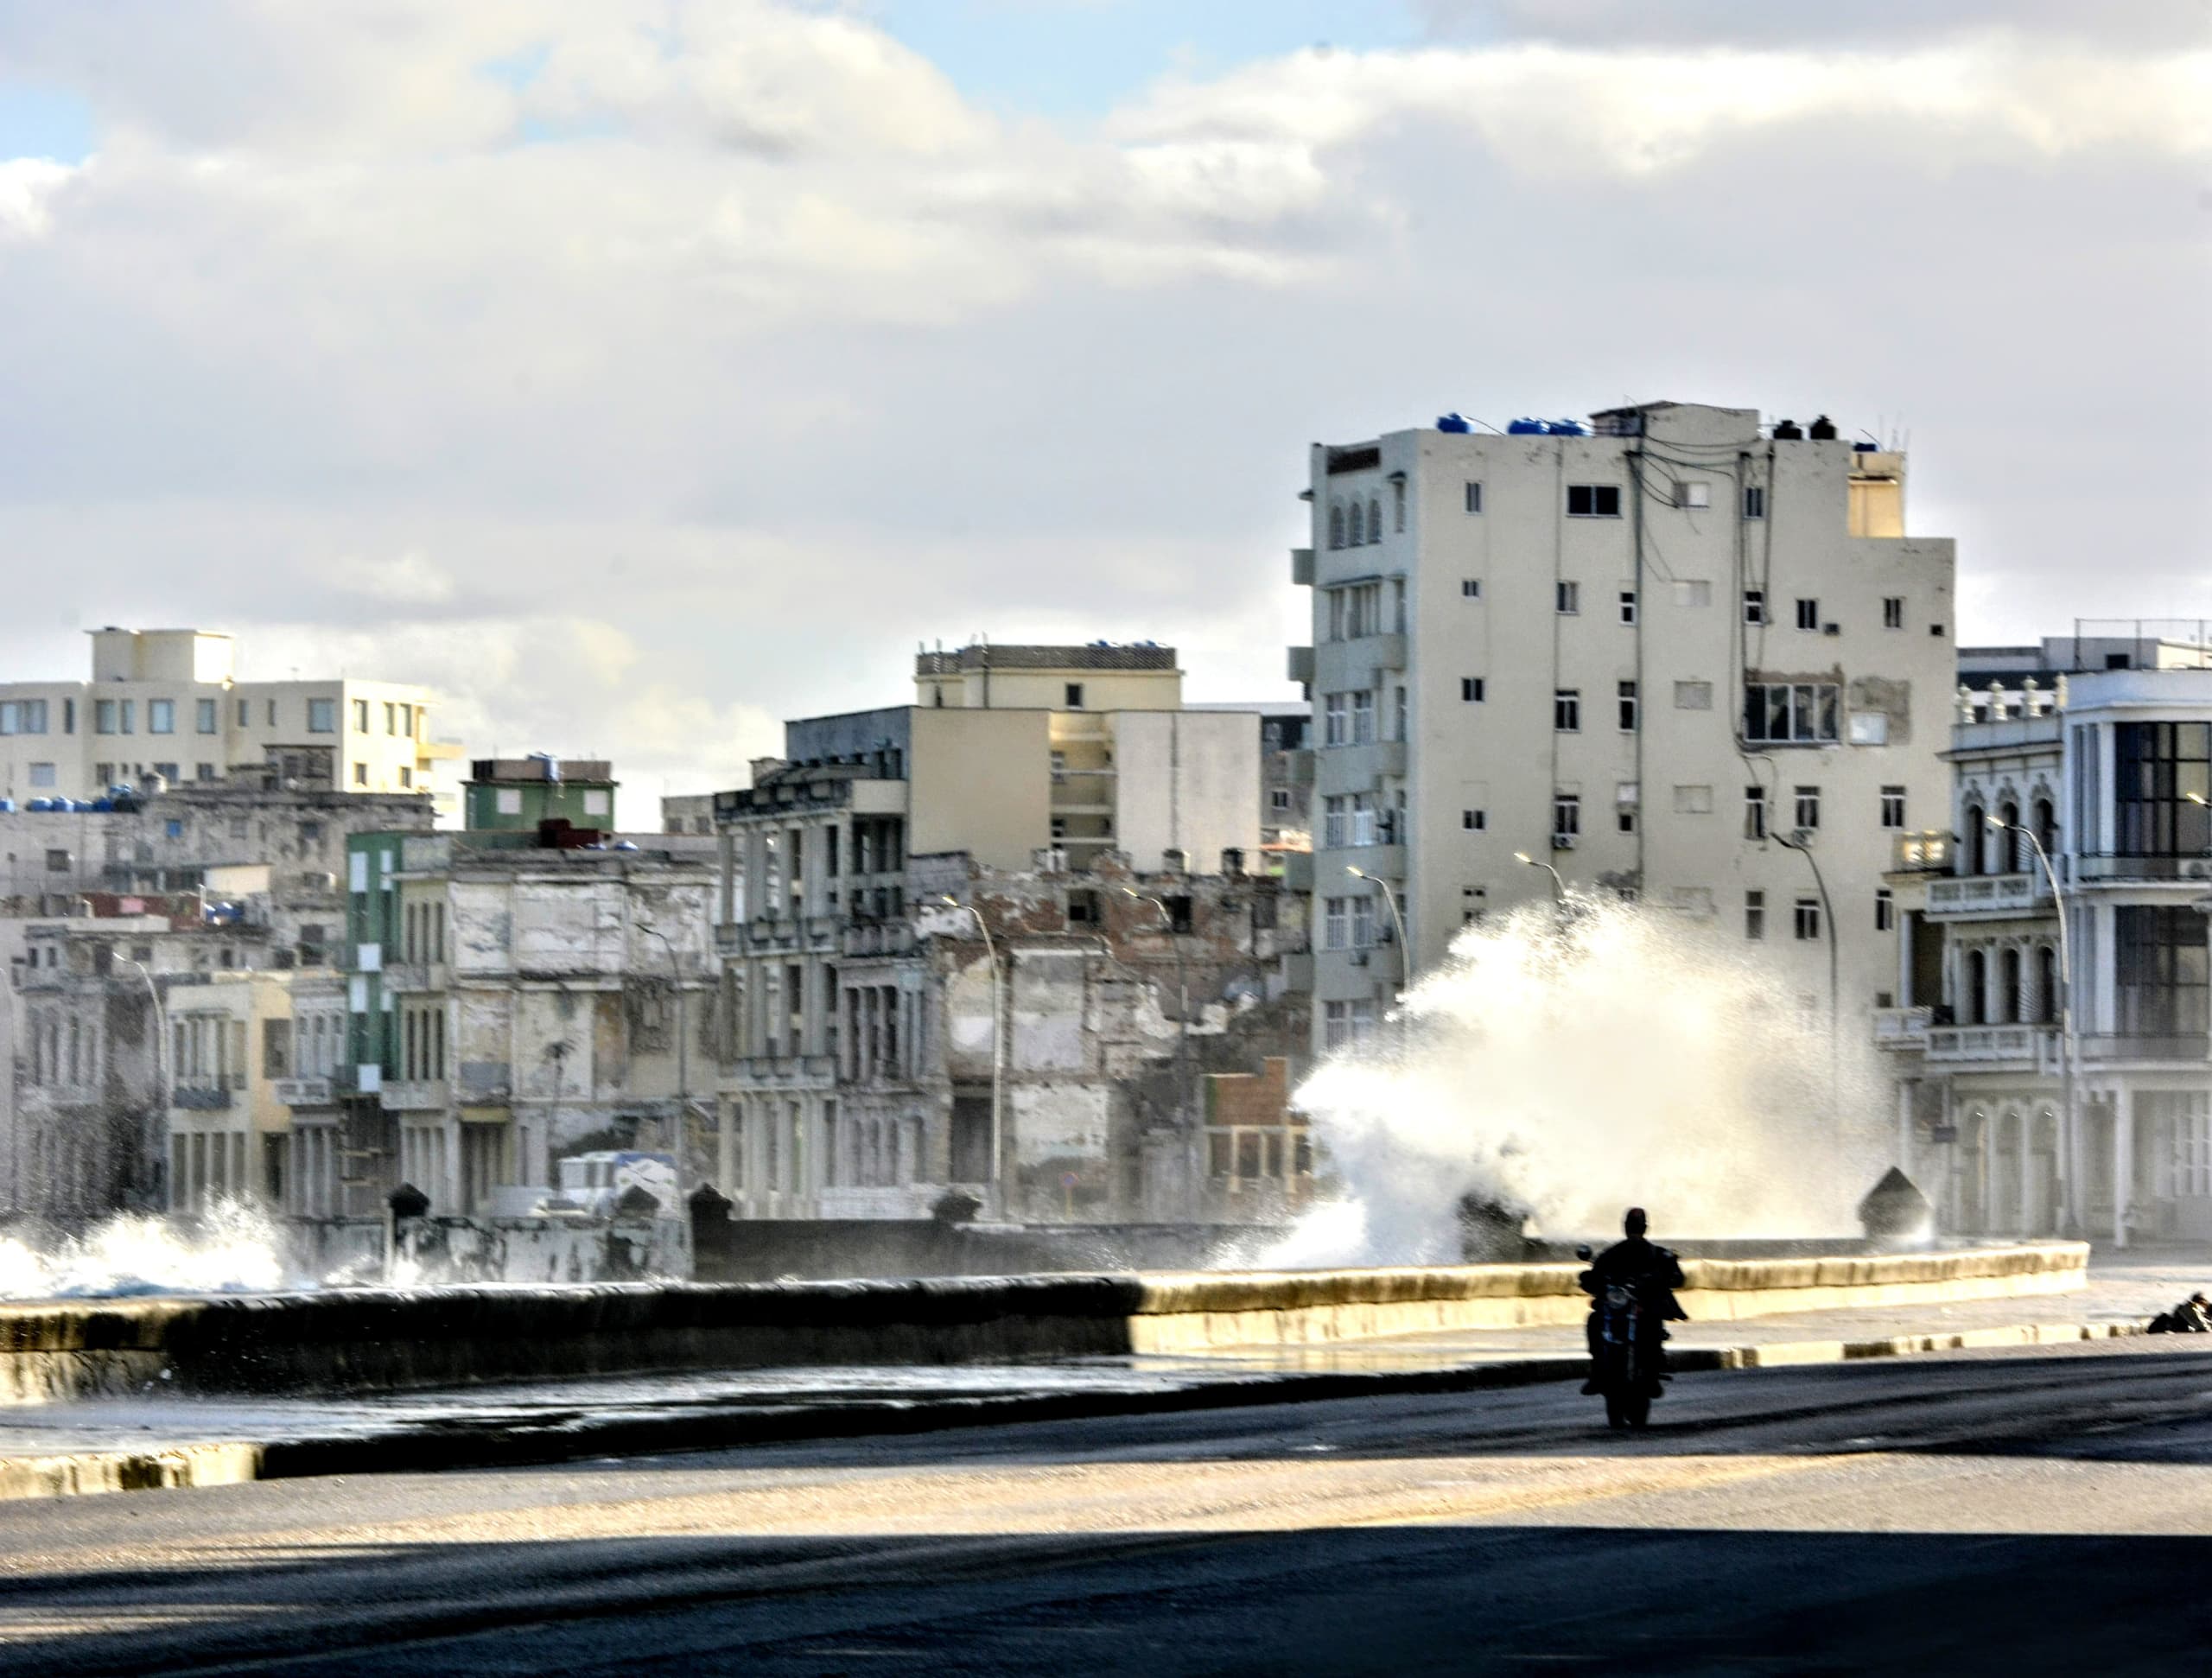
(1692, 696)
(22, 717)
(1474, 821)
(1807, 919)
(407, 720)
(1398, 502)
(1594, 501)
(103, 775)
(1355, 610)
(1335, 711)
(1892, 806)
(1567, 818)
(1809, 808)
(1808, 614)
(204, 716)
(1693, 592)
(1335, 827)
(1885, 910)
(1279, 800)
(1345, 1023)
(323, 716)
(1624, 817)
(1336, 525)
(104, 716)
(42, 774)
(1362, 818)
(1755, 606)
(1755, 915)
(1692, 801)
(1566, 711)
(360, 774)
(360, 717)
(57, 861)
(1754, 812)
(1335, 922)
(1363, 923)
(1893, 611)
(203, 771)
(2161, 977)
(1567, 596)
(1362, 718)
(390, 716)
(1692, 495)
(161, 716)
(245, 713)
(1356, 527)
(1072, 696)
(1471, 690)
(1470, 587)
(1399, 715)
(1754, 500)
(1784, 713)
(166, 771)
(1625, 700)
(2156, 767)
(1374, 518)
(1869, 728)
(1474, 498)
(1628, 605)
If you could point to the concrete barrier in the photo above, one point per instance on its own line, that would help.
(374, 1339)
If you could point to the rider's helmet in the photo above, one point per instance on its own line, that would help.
(1635, 1223)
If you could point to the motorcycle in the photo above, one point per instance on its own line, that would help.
(1623, 1365)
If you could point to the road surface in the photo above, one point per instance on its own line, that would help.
(2048, 1509)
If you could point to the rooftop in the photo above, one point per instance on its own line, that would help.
(1097, 655)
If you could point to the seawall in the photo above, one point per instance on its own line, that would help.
(378, 1339)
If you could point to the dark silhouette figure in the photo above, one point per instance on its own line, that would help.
(1653, 1271)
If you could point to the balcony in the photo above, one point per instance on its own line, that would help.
(198, 1098)
(1922, 853)
(303, 1091)
(1362, 766)
(2033, 1048)
(1301, 567)
(1357, 664)
(1987, 894)
(417, 1096)
(1298, 871)
(2192, 867)
(885, 938)
(1385, 963)
(400, 976)
(2103, 1049)
(784, 1071)
(1298, 666)
(1902, 1029)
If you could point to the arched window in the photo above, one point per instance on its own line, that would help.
(1353, 538)
(2047, 985)
(1972, 841)
(1974, 1008)
(2046, 824)
(1375, 518)
(2010, 845)
(2013, 998)
(1336, 524)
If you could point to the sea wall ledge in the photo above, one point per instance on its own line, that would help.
(378, 1339)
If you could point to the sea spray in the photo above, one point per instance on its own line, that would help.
(231, 1248)
(1571, 1063)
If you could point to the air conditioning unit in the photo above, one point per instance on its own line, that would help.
(1831, 629)
(1562, 842)
(2199, 868)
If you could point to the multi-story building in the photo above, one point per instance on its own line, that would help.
(1675, 653)
(514, 997)
(1286, 771)
(165, 703)
(2099, 748)
(991, 915)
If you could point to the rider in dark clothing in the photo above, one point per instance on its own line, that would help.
(1656, 1273)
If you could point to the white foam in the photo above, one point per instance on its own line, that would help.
(231, 1248)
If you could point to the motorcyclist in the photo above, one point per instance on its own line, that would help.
(2192, 1315)
(1655, 1274)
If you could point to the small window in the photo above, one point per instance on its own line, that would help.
(161, 716)
(1808, 918)
(1893, 611)
(1885, 910)
(1692, 696)
(57, 861)
(406, 779)
(1474, 821)
(1628, 605)
(507, 800)
(204, 716)
(246, 713)
(1809, 808)
(1567, 596)
(1279, 800)
(1754, 500)
(1808, 614)
(1894, 807)
(1471, 690)
(203, 771)
(1692, 801)
(42, 774)
(1754, 812)
(1755, 606)
(1083, 909)
(1072, 698)
(1692, 495)
(1567, 818)
(1755, 915)
(360, 774)
(1625, 698)
(1936, 630)
(323, 716)
(1594, 501)
(1566, 711)
(1624, 817)
(103, 714)
(1474, 498)
(1470, 587)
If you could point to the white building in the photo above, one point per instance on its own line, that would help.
(2101, 748)
(1676, 654)
(165, 702)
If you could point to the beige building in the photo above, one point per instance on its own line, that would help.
(166, 703)
(1675, 653)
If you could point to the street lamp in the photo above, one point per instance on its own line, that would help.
(1827, 914)
(2069, 1046)
(1558, 885)
(1182, 994)
(682, 1052)
(161, 1121)
(997, 1184)
(1390, 898)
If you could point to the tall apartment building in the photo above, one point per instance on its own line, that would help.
(165, 702)
(2100, 746)
(1675, 653)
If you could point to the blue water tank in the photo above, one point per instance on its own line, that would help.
(7, 806)
(1865, 447)
(1454, 422)
(39, 805)
(1567, 429)
(101, 806)
(1524, 427)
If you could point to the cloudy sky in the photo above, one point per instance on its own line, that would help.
(642, 373)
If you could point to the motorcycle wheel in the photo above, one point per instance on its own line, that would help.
(1638, 1409)
(1616, 1411)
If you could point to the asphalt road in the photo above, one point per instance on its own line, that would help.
(2043, 1510)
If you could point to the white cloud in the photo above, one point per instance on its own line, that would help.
(26, 186)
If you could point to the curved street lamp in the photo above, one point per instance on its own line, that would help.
(2069, 1046)
(1558, 885)
(1397, 922)
(997, 1184)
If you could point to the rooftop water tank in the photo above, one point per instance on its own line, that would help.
(1823, 430)
(7, 806)
(1525, 428)
(1864, 447)
(1567, 429)
(39, 805)
(1453, 422)
(101, 805)
(1787, 431)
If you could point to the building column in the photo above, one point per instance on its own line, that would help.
(2027, 1163)
(1989, 1128)
(725, 1147)
(1905, 1092)
(2123, 1161)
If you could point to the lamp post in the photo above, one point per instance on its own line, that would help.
(1827, 914)
(1182, 994)
(997, 1184)
(2069, 1047)
(682, 1052)
(1390, 898)
(160, 1071)
(1558, 885)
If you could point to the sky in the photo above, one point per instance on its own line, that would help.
(639, 373)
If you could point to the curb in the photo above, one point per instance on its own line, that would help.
(508, 1445)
